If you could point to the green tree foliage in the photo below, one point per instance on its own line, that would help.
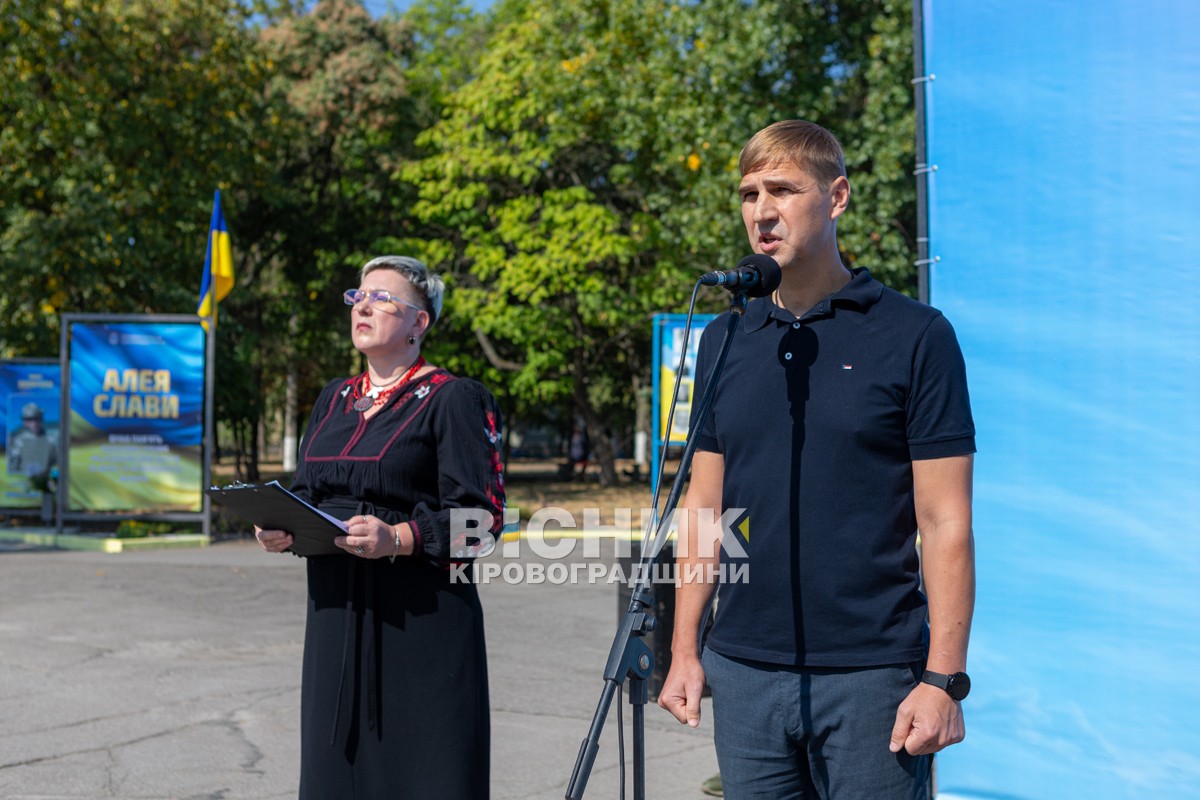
(880, 142)
(549, 249)
(570, 167)
(587, 174)
(120, 120)
(446, 38)
(341, 110)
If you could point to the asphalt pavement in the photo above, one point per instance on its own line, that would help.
(176, 674)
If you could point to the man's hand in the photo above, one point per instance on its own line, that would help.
(682, 690)
(927, 721)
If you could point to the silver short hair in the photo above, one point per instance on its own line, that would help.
(430, 286)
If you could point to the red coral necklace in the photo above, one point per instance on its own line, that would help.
(366, 398)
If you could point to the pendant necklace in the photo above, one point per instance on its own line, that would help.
(371, 397)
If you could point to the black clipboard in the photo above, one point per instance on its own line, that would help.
(272, 507)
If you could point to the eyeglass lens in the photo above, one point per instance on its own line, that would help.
(378, 297)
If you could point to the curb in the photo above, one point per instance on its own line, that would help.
(98, 543)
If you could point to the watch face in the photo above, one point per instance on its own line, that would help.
(959, 686)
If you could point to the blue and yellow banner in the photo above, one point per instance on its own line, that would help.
(217, 281)
(669, 346)
(137, 417)
(29, 429)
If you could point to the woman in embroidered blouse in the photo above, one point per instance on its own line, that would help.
(394, 697)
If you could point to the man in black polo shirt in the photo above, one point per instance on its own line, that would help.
(841, 425)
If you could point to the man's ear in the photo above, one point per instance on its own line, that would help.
(839, 195)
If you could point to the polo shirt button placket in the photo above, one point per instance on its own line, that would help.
(796, 325)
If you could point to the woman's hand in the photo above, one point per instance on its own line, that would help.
(370, 537)
(273, 541)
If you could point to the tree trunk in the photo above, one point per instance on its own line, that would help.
(291, 398)
(239, 451)
(252, 459)
(261, 429)
(254, 425)
(289, 408)
(606, 455)
(641, 430)
(598, 433)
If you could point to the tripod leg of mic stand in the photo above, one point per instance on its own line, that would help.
(630, 656)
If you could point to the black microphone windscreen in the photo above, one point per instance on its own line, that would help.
(769, 273)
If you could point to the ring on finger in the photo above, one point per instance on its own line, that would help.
(360, 550)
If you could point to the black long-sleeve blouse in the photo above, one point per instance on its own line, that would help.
(430, 457)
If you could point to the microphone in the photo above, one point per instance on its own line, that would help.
(757, 275)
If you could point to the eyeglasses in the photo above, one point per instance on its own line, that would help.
(385, 301)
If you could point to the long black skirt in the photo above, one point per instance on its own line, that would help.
(394, 700)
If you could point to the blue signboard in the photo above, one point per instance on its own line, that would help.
(136, 398)
(29, 430)
(669, 393)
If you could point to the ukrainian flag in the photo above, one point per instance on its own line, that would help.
(217, 281)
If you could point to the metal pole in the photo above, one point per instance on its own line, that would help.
(210, 356)
(920, 79)
(64, 422)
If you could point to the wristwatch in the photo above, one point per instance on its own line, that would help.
(958, 685)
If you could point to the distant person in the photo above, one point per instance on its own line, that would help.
(842, 425)
(394, 701)
(580, 447)
(32, 452)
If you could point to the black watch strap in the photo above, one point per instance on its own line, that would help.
(957, 685)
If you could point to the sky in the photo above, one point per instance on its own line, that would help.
(378, 7)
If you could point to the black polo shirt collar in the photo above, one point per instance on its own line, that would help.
(861, 292)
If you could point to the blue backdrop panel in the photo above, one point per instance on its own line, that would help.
(1065, 211)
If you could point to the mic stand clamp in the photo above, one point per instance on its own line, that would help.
(630, 657)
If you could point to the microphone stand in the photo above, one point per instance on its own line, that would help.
(630, 657)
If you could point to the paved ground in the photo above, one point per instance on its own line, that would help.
(175, 674)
